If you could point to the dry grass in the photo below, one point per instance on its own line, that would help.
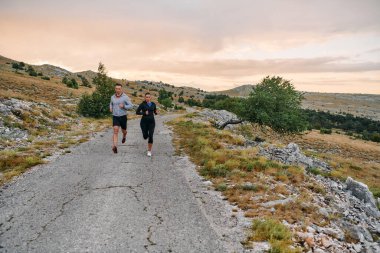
(13, 164)
(246, 179)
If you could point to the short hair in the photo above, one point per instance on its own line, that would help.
(147, 93)
(118, 84)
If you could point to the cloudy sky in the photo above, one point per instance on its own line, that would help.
(326, 46)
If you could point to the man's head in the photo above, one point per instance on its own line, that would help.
(118, 89)
(147, 97)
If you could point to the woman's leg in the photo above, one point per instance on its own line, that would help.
(144, 128)
(151, 132)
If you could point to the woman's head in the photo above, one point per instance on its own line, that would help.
(147, 97)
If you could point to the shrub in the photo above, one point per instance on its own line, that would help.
(219, 170)
(167, 102)
(249, 187)
(325, 131)
(221, 187)
(273, 231)
(45, 77)
(181, 100)
(193, 102)
(16, 66)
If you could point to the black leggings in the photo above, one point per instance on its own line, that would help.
(147, 125)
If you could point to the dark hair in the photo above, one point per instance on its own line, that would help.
(147, 93)
(118, 84)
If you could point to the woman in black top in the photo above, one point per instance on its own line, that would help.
(147, 109)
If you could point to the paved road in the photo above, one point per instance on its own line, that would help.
(92, 200)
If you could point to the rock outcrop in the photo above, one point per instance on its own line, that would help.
(292, 154)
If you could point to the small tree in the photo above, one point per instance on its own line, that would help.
(181, 100)
(97, 104)
(276, 103)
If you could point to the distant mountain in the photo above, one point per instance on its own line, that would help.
(240, 91)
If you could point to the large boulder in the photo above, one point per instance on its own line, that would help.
(220, 118)
(361, 191)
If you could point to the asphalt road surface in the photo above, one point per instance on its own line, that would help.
(92, 200)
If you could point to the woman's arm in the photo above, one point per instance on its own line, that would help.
(139, 110)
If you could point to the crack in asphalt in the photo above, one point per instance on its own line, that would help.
(150, 232)
(61, 211)
(130, 187)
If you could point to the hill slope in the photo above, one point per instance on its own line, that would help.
(365, 105)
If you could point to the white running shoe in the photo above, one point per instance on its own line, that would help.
(149, 153)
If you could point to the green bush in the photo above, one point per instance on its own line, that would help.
(16, 66)
(221, 187)
(181, 100)
(193, 102)
(325, 131)
(97, 104)
(33, 73)
(279, 236)
(45, 77)
(219, 170)
(167, 102)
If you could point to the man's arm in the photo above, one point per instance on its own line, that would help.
(155, 109)
(128, 104)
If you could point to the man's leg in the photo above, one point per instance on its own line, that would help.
(124, 134)
(124, 129)
(115, 135)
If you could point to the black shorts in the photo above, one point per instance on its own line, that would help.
(120, 121)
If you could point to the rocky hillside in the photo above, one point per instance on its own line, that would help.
(295, 199)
